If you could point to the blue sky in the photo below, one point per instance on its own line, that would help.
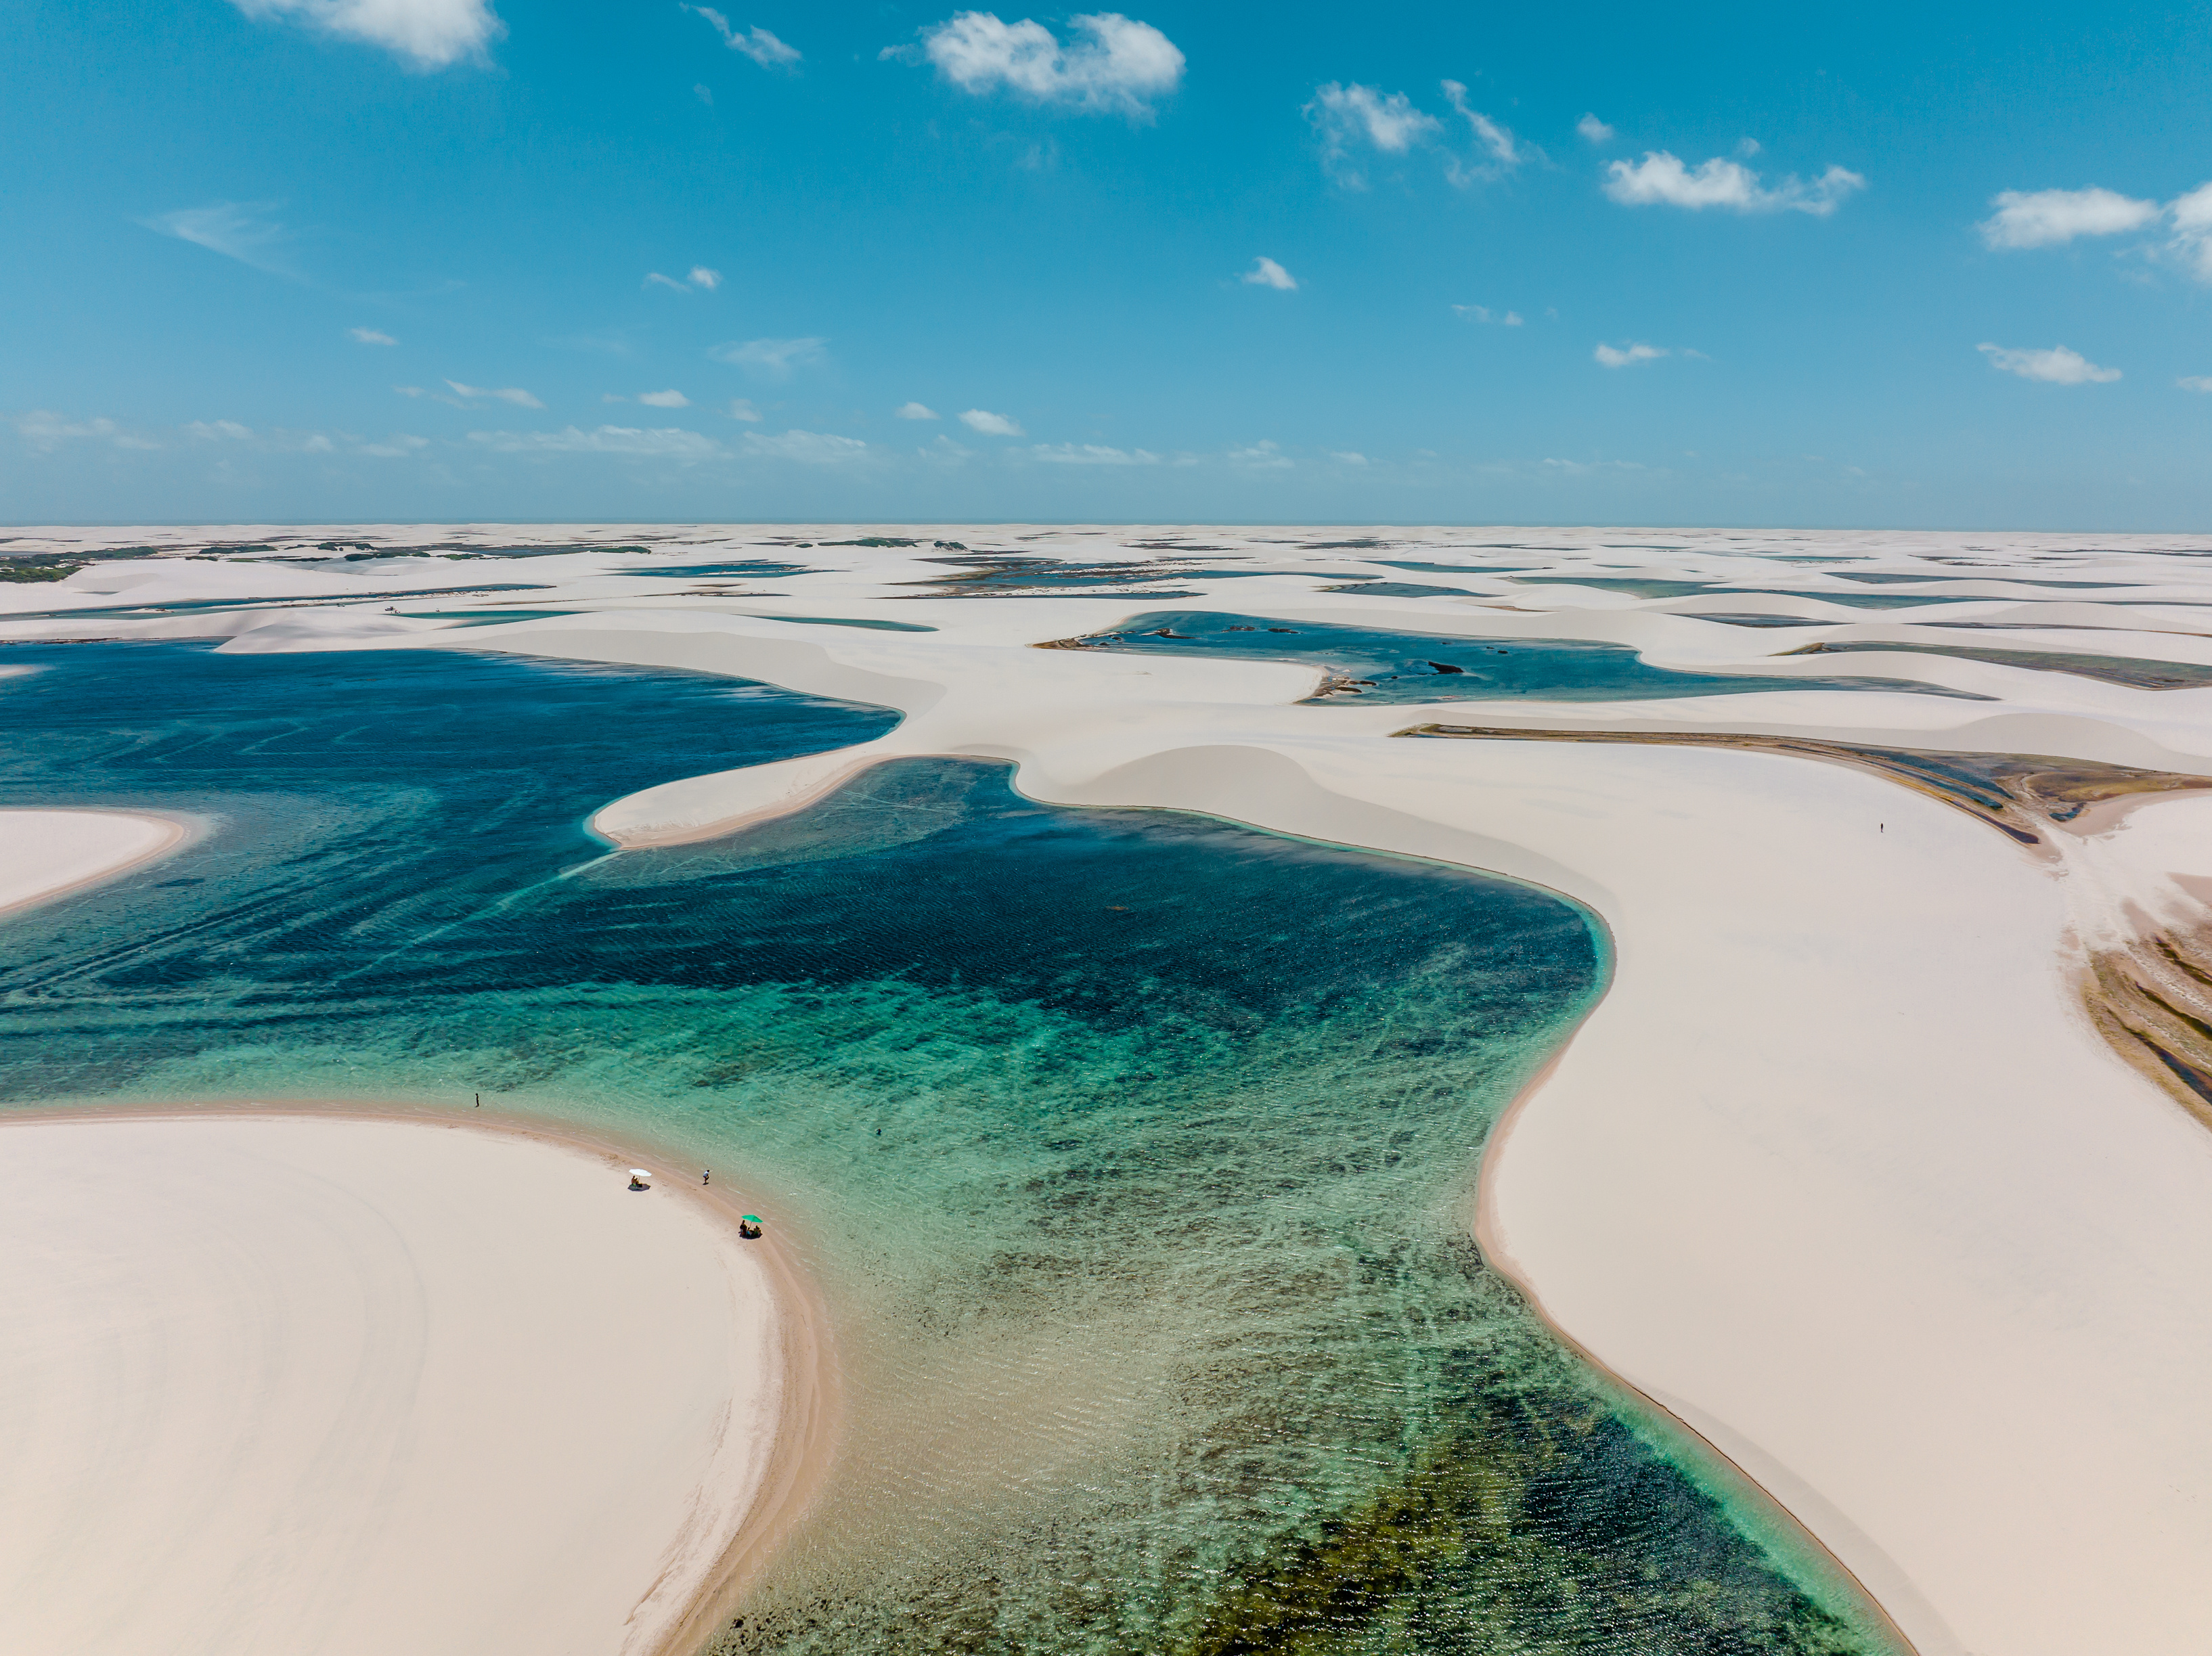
(396, 259)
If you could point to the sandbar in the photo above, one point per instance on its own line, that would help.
(45, 853)
(314, 1384)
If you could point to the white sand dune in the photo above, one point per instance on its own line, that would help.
(279, 1386)
(1839, 1172)
(45, 853)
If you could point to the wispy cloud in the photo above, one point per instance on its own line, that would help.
(1265, 456)
(426, 34)
(655, 279)
(702, 277)
(990, 424)
(45, 430)
(370, 337)
(1594, 129)
(217, 431)
(740, 409)
(812, 448)
(915, 411)
(1484, 314)
(2192, 217)
(1265, 273)
(1628, 356)
(513, 394)
(239, 230)
(2054, 367)
(769, 359)
(755, 43)
(668, 443)
(1112, 63)
(2196, 382)
(1354, 119)
(2047, 218)
(663, 399)
(1662, 179)
(1091, 454)
(1348, 457)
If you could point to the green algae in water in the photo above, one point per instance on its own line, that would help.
(1134, 1147)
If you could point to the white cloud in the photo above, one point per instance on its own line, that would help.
(2057, 366)
(1265, 273)
(1092, 454)
(809, 447)
(770, 359)
(915, 411)
(654, 278)
(1264, 455)
(1484, 314)
(1349, 457)
(669, 443)
(704, 94)
(2191, 216)
(370, 337)
(990, 424)
(1660, 178)
(211, 430)
(1612, 358)
(702, 277)
(1504, 150)
(1348, 117)
(514, 394)
(1595, 131)
(663, 399)
(45, 430)
(2194, 382)
(396, 446)
(236, 229)
(742, 410)
(1119, 65)
(2045, 218)
(428, 34)
(755, 43)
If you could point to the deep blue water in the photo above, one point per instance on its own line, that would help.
(1132, 1147)
(1372, 664)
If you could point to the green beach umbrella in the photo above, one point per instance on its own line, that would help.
(752, 1218)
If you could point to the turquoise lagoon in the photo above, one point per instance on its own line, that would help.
(1132, 1149)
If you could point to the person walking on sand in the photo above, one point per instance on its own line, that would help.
(707, 1175)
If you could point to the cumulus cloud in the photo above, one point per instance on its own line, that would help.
(990, 424)
(1662, 179)
(427, 34)
(702, 277)
(239, 230)
(915, 411)
(1348, 457)
(370, 337)
(1484, 314)
(808, 447)
(2192, 217)
(1351, 119)
(1623, 357)
(663, 399)
(1595, 131)
(769, 359)
(1265, 455)
(668, 443)
(2194, 382)
(1265, 273)
(514, 394)
(210, 431)
(1091, 454)
(1117, 65)
(755, 43)
(2045, 218)
(2056, 366)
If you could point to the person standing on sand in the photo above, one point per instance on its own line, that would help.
(707, 1175)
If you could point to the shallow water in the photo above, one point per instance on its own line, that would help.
(1373, 664)
(1132, 1147)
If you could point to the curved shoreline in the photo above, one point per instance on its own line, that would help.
(180, 831)
(809, 1396)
